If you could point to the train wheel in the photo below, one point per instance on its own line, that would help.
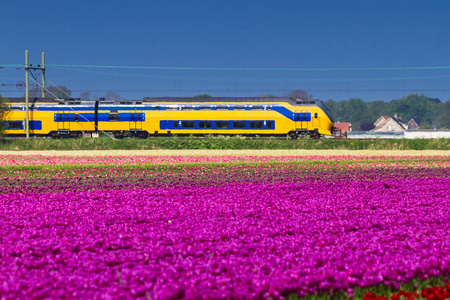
(143, 135)
(293, 135)
(76, 135)
(54, 135)
(118, 135)
(314, 135)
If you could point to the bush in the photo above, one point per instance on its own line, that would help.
(3, 111)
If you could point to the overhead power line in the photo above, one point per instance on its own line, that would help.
(253, 69)
(261, 90)
(249, 79)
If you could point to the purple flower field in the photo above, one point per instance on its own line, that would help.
(256, 235)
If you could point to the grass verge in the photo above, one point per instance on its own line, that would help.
(221, 142)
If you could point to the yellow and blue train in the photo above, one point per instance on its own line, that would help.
(170, 116)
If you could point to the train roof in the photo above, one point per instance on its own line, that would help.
(32, 100)
(292, 101)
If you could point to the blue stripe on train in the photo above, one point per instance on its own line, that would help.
(306, 116)
(102, 117)
(216, 125)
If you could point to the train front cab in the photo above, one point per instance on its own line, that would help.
(307, 122)
(310, 121)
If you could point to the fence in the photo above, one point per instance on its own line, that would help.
(416, 134)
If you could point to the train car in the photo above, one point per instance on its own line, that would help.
(50, 117)
(174, 116)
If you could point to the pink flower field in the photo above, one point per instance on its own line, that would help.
(220, 228)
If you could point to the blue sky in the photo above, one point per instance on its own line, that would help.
(332, 49)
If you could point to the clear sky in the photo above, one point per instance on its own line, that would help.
(374, 50)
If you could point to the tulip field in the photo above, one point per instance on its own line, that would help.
(224, 227)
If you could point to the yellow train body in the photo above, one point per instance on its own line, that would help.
(169, 116)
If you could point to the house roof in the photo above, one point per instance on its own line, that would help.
(399, 122)
(343, 126)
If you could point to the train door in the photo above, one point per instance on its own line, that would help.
(315, 120)
(136, 119)
(301, 120)
(62, 120)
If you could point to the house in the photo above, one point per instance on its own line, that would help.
(412, 125)
(394, 124)
(341, 129)
(343, 126)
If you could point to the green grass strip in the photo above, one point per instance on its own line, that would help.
(221, 143)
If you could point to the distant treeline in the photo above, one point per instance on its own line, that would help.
(429, 113)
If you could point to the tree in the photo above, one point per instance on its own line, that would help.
(354, 111)
(414, 106)
(268, 96)
(85, 96)
(202, 96)
(366, 126)
(376, 109)
(60, 92)
(299, 94)
(112, 96)
(3, 112)
(34, 92)
(444, 119)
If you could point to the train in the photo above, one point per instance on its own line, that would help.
(168, 116)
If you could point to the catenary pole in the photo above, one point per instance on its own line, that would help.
(43, 75)
(27, 127)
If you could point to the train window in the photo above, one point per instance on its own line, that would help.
(222, 125)
(315, 115)
(187, 124)
(135, 117)
(221, 107)
(189, 108)
(257, 107)
(14, 125)
(303, 117)
(239, 125)
(157, 108)
(204, 107)
(239, 108)
(67, 117)
(256, 124)
(204, 124)
(269, 124)
(76, 117)
(113, 116)
(268, 107)
(175, 125)
(171, 107)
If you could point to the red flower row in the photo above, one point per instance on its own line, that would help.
(432, 293)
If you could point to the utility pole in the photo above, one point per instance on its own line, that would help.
(27, 121)
(43, 75)
(29, 67)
